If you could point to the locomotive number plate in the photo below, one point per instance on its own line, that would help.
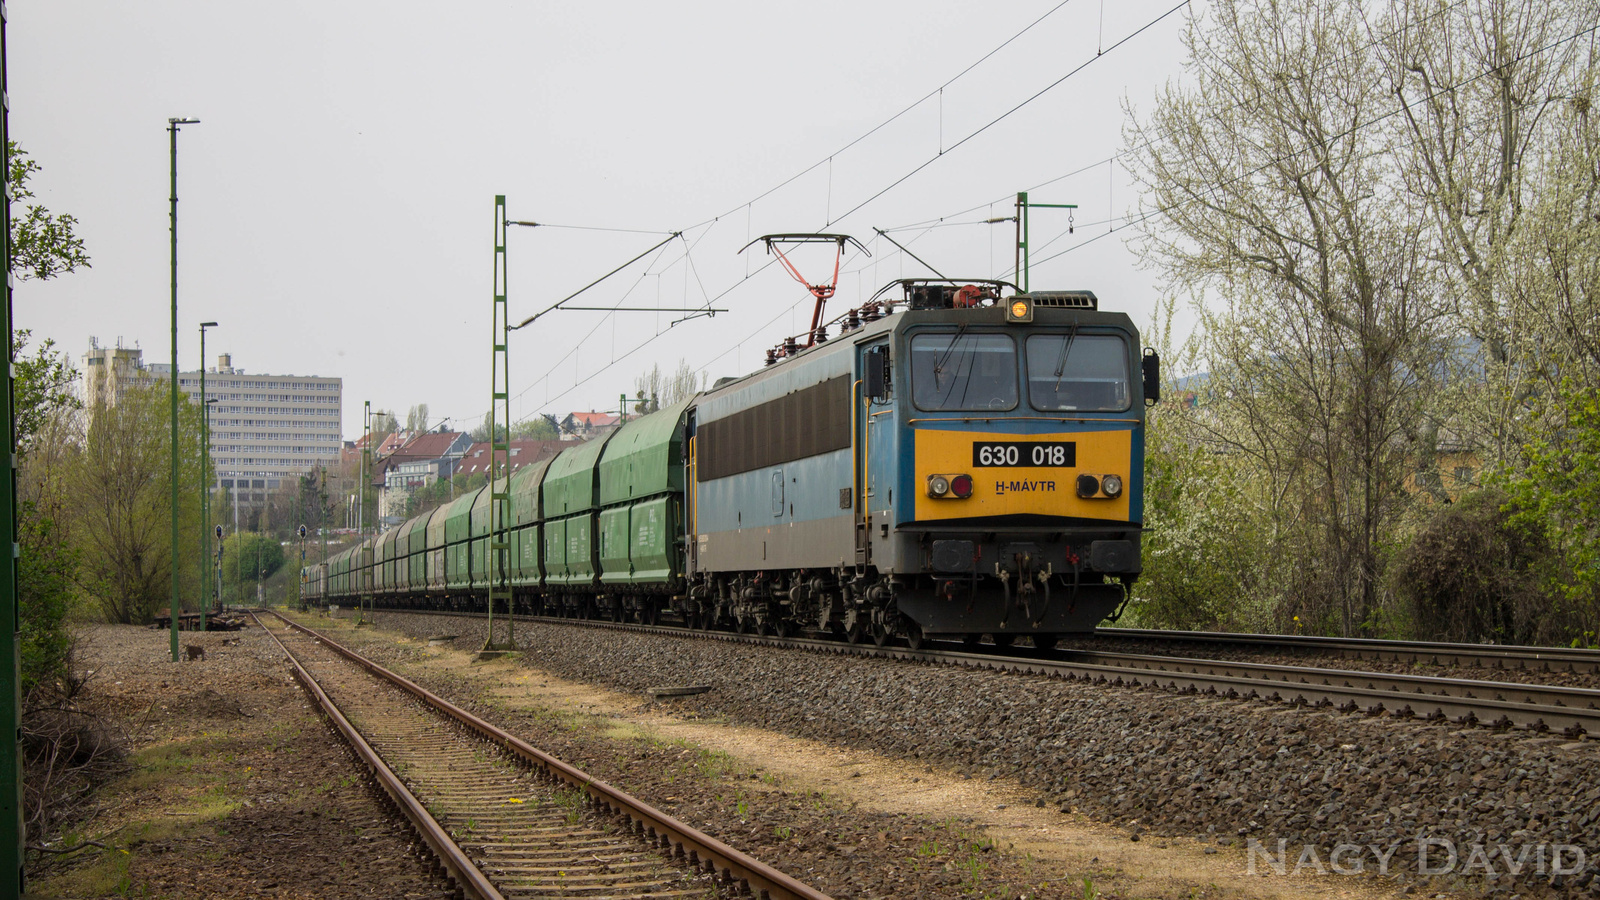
(1031, 454)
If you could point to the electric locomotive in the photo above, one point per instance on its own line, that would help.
(957, 461)
(969, 465)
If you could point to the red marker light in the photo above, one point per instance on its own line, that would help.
(961, 486)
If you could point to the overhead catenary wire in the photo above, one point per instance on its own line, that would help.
(1008, 113)
(747, 205)
(1121, 154)
(1403, 107)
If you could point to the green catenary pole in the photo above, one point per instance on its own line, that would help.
(1022, 233)
(499, 448)
(13, 832)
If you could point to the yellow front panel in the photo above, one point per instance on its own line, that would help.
(1013, 490)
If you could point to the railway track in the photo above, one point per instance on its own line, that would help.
(503, 819)
(1484, 656)
(1573, 712)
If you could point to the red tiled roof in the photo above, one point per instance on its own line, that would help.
(431, 445)
(596, 419)
(522, 453)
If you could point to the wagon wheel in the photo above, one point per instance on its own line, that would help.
(971, 640)
(1045, 641)
(914, 636)
(1003, 641)
(650, 612)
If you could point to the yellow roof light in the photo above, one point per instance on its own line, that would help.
(1020, 310)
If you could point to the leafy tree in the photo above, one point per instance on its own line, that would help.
(536, 429)
(247, 557)
(481, 433)
(122, 485)
(417, 418)
(383, 424)
(1558, 496)
(43, 245)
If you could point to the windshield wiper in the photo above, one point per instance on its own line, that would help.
(938, 366)
(1061, 362)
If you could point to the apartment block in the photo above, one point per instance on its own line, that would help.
(267, 428)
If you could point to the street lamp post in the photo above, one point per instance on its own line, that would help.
(205, 472)
(172, 132)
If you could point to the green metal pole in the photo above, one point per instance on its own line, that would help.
(498, 557)
(1022, 240)
(172, 132)
(205, 501)
(13, 831)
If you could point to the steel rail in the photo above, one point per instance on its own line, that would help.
(1572, 711)
(449, 854)
(1488, 656)
(1394, 682)
(672, 836)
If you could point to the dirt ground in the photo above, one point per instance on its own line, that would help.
(236, 789)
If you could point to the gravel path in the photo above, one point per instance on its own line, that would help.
(1146, 759)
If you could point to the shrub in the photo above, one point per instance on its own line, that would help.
(1473, 574)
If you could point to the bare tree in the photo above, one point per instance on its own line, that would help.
(1484, 88)
(1272, 185)
(656, 390)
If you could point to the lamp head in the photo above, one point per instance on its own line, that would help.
(183, 120)
(208, 324)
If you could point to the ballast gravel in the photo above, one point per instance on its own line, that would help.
(1234, 771)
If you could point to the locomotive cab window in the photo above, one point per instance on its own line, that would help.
(963, 370)
(1083, 372)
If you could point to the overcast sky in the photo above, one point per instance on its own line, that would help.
(336, 203)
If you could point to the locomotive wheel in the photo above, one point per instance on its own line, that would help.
(1003, 641)
(857, 632)
(1045, 641)
(971, 640)
(782, 628)
(880, 635)
(914, 636)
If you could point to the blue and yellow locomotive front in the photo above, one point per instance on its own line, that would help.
(1003, 451)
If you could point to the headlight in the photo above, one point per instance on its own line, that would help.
(1112, 485)
(938, 486)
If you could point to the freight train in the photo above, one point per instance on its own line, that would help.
(963, 460)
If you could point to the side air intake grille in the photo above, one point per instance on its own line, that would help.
(1065, 299)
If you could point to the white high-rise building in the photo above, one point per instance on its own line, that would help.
(267, 428)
